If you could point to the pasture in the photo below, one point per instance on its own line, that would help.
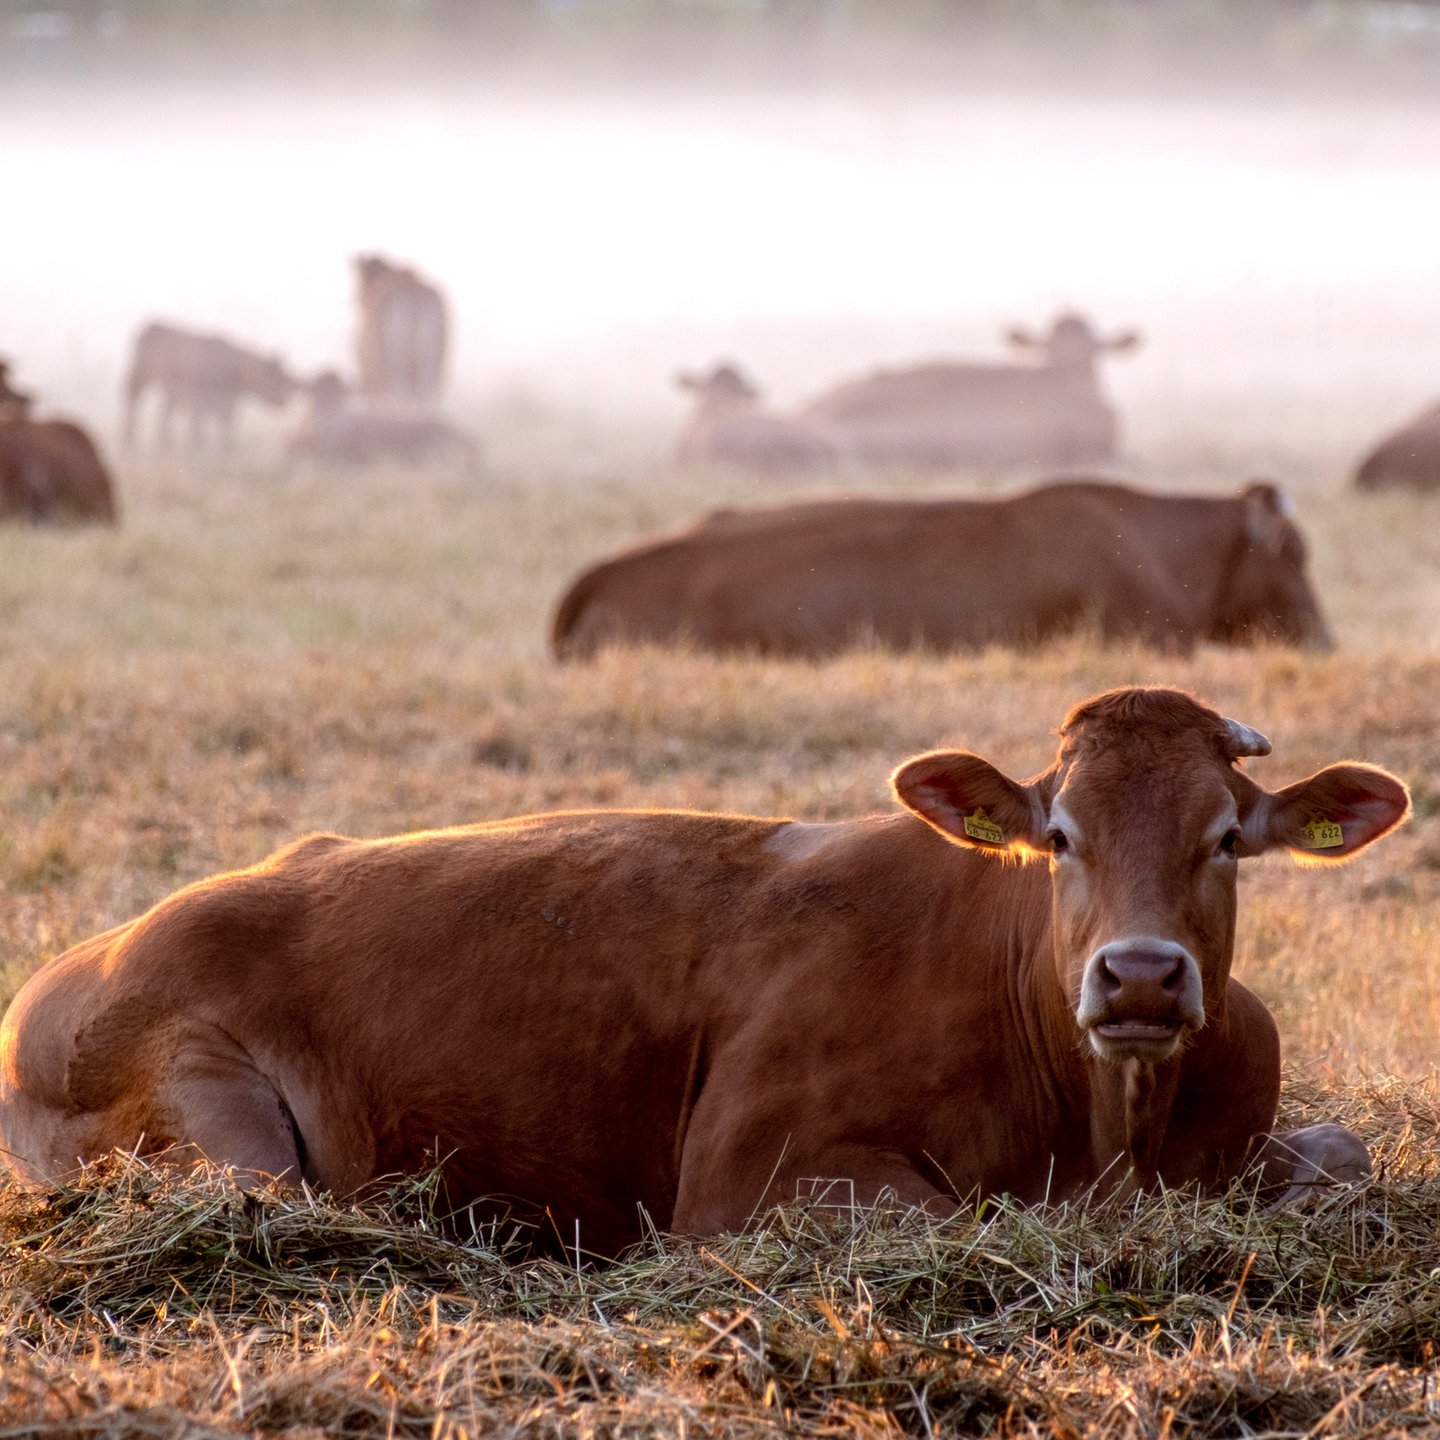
(255, 654)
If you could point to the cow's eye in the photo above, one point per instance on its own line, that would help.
(1058, 843)
(1230, 842)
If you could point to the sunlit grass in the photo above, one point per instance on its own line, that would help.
(253, 655)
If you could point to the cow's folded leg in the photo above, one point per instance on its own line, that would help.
(1297, 1163)
(224, 1108)
(720, 1196)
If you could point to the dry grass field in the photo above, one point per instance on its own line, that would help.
(253, 655)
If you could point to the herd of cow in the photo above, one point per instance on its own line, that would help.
(802, 578)
(599, 1021)
(51, 470)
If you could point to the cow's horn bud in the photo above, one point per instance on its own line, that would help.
(1242, 740)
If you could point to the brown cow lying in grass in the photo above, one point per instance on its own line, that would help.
(1011, 986)
(50, 470)
(816, 576)
(336, 431)
(962, 413)
(730, 425)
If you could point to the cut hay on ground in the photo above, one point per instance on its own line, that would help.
(141, 1303)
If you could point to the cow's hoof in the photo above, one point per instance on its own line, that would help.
(1312, 1161)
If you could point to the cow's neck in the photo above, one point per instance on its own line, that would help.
(1128, 1106)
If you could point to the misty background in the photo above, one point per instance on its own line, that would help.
(611, 189)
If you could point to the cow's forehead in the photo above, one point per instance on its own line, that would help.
(1132, 754)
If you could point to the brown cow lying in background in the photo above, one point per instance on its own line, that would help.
(592, 1013)
(949, 412)
(813, 577)
(1407, 460)
(730, 425)
(50, 470)
(338, 432)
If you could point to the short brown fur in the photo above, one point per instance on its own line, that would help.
(596, 1014)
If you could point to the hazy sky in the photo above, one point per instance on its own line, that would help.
(591, 246)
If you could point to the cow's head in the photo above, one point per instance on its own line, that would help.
(371, 270)
(726, 386)
(1144, 817)
(328, 392)
(267, 378)
(1265, 595)
(1072, 342)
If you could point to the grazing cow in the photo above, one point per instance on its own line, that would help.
(335, 432)
(947, 413)
(1407, 460)
(400, 345)
(813, 577)
(50, 471)
(585, 1014)
(203, 376)
(729, 425)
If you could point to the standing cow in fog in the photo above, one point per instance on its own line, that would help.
(401, 343)
(730, 425)
(814, 577)
(1409, 459)
(948, 413)
(593, 1018)
(202, 377)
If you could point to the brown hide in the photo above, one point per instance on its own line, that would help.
(814, 577)
(199, 377)
(954, 413)
(595, 1013)
(51, 472)
(1407, 460)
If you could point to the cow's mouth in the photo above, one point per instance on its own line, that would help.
(1139, 1029)
(1150, 1039)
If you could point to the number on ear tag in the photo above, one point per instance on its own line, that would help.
(979, 826)
(1323, 835)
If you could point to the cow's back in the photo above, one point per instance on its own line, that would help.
(814, 578)
(1409, 459)
(540, 1004)
(50, 470)
(494, 1001)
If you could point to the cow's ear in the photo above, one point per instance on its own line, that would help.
(1121, 341)
(1022, 339)
(1329, 816)
(969, 801)
(1269, 516)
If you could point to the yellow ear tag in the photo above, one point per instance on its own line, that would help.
(980, 826)
(1323, 835)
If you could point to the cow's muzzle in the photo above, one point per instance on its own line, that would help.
(1138, 998)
